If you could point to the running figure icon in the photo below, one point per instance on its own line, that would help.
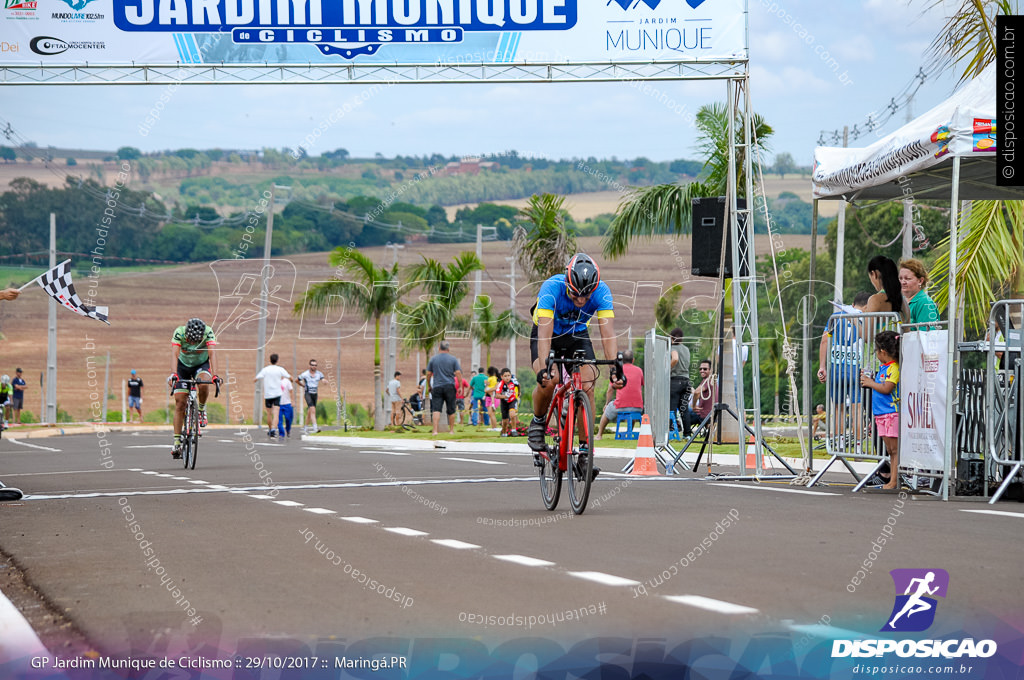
(916, 600)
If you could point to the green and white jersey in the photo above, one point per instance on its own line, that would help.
(193, 355)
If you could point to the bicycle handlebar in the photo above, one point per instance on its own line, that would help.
(577, 360)
(193, 381)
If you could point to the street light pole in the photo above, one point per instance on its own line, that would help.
(261, 340)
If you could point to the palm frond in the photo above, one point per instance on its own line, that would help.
(658, 209)
(990, 255)
(967, 39)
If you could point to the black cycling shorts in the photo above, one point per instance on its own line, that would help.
(311, 399)
(564, 345)
(189, 373)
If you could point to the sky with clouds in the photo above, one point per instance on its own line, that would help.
(795, 46)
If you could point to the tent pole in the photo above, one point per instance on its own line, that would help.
(951, 372)
(808, 323)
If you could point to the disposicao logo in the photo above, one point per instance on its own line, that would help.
(914, 611)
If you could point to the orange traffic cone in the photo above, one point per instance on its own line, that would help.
(644, 462)
(752, 455)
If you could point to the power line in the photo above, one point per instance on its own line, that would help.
(878, 119)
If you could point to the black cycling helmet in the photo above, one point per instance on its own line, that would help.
(195, 329)
(582, 275)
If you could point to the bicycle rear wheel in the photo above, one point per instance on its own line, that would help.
(581, 457)
(400, 417)
(550, 479)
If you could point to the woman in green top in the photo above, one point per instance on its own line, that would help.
(913, 279)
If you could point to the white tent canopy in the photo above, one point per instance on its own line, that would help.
(915, 161)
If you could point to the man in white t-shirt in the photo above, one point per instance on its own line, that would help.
(395, 396)
(284, 421)
(310, 380)
(272, 376)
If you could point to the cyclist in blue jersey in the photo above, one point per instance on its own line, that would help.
(565, 306)
(191, 360)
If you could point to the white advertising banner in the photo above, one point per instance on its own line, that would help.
(337, 32)
(923, 361)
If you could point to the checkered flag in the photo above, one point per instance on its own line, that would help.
(57, 283)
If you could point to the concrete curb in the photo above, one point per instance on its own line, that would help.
(91, 428)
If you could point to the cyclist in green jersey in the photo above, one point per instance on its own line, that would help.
(192, 360)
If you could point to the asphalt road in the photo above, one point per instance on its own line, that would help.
(340, 547)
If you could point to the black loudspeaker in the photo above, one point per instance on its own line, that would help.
(709, 214)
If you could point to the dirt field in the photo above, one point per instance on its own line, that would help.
(146, 307)
(583, 206)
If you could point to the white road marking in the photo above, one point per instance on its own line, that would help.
(289, 504)
(604, 579)
(219, 487)
(294, 487)
(317, 448)
(405, 531)
(181, 479)
(772, 488)
(152, 472)
(262, 497)
(711, 605)
(266, 444)
(452, 543)
(319, 511)
(33, 446)
(150, 446)
(43, 474)
(360, 520)
(472, 460)
(524, 560)
(1001, 513)
(387, 453)
(194, 481)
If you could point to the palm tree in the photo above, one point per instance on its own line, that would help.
(489, 327)
(544, 246)
(665, 208)
(991, 232)
(374, 292)
(445, 287)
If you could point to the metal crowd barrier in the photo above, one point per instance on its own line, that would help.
(849, 425)
(1004, 432)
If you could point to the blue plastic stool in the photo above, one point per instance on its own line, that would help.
(673, 429)
(629, 418)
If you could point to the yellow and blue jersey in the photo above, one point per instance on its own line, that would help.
(886, 403)
(553, 303)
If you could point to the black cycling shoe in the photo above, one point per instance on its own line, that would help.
(594, 471)
(535, 435)
(537, 460)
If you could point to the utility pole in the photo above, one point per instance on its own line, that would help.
(51, 336)
(261, 341)
(512, 306)
(391, 359)
(475, 354)
(841, 234)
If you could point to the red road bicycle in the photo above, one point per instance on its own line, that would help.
(571, 416)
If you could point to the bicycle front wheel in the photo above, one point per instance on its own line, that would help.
(581, 455)
(550, 479)
(194, 436)
(400, 417)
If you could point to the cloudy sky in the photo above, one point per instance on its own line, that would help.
(879, 45)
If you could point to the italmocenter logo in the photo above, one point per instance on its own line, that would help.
(914, 608)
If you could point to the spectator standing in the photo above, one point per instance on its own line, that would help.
(272, 375)
(443, 370)
(134, 395)
(913, 279)
(884, 276)
(18, 398)
(508, 394)
(395, 397)
(679, 381)
(287, 414)
(842, 368)
(491, 397)
(886, 398)
(461, 392)
(704, 398)
(310, 381)
(478, 394)
(629, 396)
(6, 391)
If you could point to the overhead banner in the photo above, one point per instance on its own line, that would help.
(963, 125)
(923, 361)
(333, 32)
